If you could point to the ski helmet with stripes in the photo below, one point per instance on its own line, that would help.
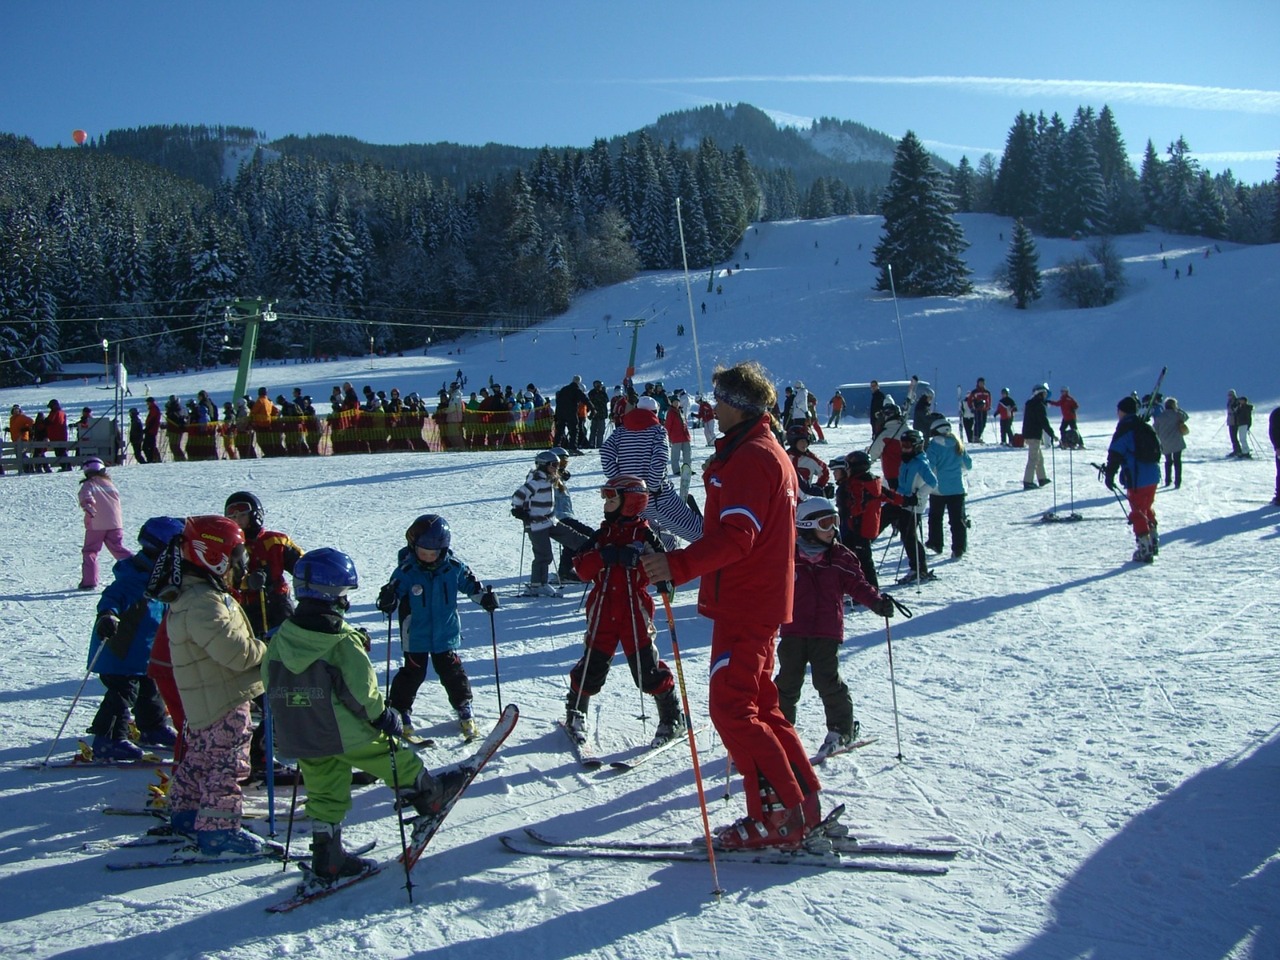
(213, 543)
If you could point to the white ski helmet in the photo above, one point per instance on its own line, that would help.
(811, 510)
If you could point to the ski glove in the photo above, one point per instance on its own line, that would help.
(625, 556)
(488, 600)
(107, 627)
(829, 491)
(520, 513)
(388, 597)
(389, 722)
(884, 606)
(910, 501)
(365, 639)
(256, 581)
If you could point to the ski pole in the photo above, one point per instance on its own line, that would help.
(404, 841)
(268, 743)
(524, 535)
(497, 680)
(1053, 466)
(716, 891)
(74, 700)
(387, 693)
(635, 645)
(293, 808)
(893, 682)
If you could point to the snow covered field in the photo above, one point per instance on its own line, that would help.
(1100, 739)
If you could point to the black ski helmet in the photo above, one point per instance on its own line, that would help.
(244, 502)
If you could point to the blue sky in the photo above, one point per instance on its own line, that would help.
(563, 73)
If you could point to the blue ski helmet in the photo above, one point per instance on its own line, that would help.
(156, 533)
(324, 574)
(429, 532)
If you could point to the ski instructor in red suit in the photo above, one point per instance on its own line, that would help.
(746, 559)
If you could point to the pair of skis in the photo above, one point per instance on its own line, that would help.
(424, 827)
(629, 760)
(827, 847)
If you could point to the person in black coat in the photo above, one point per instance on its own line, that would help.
(1035, 427)
(1273, 427)
(877, 403)
(567, 399)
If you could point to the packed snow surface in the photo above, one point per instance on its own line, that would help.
(1099, 738)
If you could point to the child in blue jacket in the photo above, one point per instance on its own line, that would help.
(425, 587)
(120, 650)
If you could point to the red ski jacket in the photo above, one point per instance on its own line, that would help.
(746, 556)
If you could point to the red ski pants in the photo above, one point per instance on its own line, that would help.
(744, 708)
(1142, 509)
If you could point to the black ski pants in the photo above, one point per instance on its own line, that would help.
(448, 667)
(821, 655)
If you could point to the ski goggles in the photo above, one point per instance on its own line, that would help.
(828, 521)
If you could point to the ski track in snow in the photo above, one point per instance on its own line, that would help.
(1098, 737)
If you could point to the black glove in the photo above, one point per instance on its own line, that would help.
(520, 513)
(365, 639)
(388, 597)
(609, 556)
(628, 557)
(564, 474)
(1110, 480)
(884, 606)
(829, 491)
(255, 581)
(389, 722)
(488, 600)
(107, 627)
(910, 501)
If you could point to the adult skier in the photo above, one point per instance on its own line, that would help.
(1035, 427)
(746, 559)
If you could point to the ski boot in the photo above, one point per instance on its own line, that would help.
(329, 861)
(781, 828)
(431, 793)
(1144, 553)
(467, 723)
(670, 719)
(234, 843)
(161, 736)
(105, 748)
(575, 723)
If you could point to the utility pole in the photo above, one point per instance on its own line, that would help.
(635, 326)
(250, 312)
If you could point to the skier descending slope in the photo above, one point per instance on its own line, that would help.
(329, 713)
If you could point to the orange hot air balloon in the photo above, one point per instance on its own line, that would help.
(79, 136)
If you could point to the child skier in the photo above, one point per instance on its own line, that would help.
(915, 482)
(620, 610)
(534, 505)
(103, 522)
(120, 650)
(328, 712)
(859, 498)
(810, 470)
(425, 587)
(825, 573)
(262, 590)
(215, 665)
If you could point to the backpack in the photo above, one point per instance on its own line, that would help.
(1146, 443)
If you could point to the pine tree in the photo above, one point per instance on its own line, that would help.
(1151, 183)
(1023, 263)
(922, 240)
(1018, 181)
(962, 186)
